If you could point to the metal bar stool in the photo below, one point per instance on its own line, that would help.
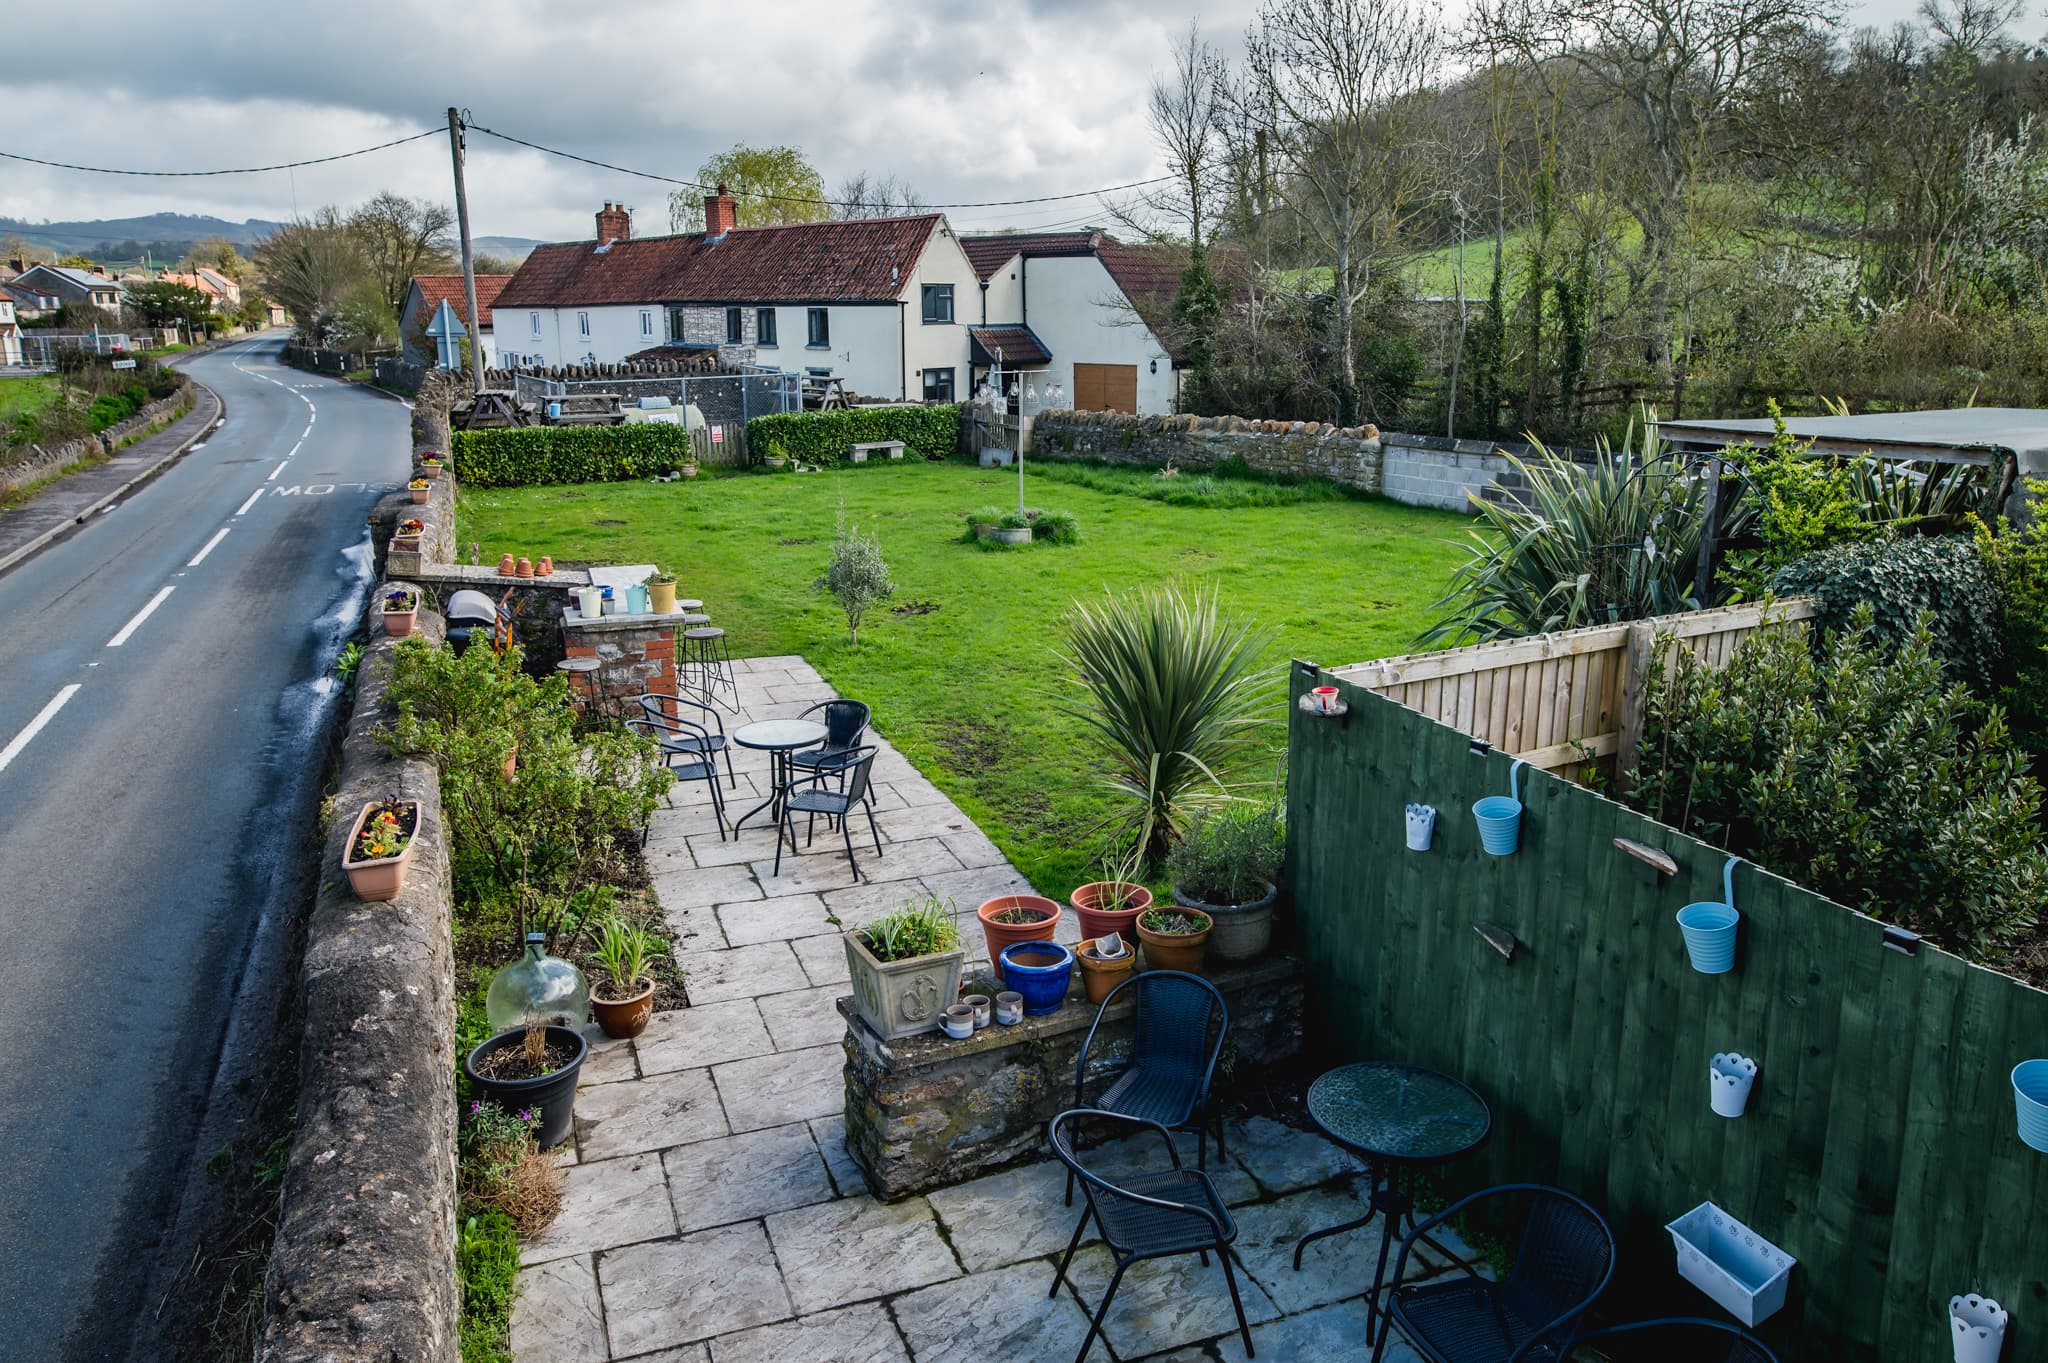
(689, 603)
(704, 665)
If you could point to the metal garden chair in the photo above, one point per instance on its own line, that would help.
(1146, 1216)
(817, 797)
(664, 705)
(685, 751)
(1673, 1331)
(846, 723)
(1562, 1265)
(1172, 1056)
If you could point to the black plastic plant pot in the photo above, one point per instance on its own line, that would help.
(550, 1097)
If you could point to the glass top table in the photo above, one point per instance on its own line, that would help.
(1399, 1119)
(779, 738)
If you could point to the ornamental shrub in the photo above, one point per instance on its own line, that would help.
(529, 455)
(2016, 560)
(857, 577)
(1858, 771)
(1900, 581)
(824, 438)
(1229, 855)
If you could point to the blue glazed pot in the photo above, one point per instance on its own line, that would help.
(1041, 972)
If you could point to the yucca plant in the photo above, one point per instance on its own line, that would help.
(1173, 694)
(1614, 539)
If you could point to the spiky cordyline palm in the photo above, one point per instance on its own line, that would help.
(1174, 697)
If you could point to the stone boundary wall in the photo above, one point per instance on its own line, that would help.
(363, 1267)
(41, 463)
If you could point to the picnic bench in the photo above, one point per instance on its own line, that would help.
(862, 448)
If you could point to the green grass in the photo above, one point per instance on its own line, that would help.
(1190, 487)
(487, 1273)
(969, 689)
(27, 396)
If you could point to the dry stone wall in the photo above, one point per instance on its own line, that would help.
(1289, 449)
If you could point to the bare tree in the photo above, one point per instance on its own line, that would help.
(1346, 79)
(308, 266)
(861, 195)
(400, 238)
(1978, 27)
(1185, 111)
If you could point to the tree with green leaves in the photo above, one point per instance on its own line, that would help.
(164, 304)
(1197, 309)
(309, 266)
(773, 185)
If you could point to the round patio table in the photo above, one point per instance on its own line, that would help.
(1399, 1119)
(778, 738)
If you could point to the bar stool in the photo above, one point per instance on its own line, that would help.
(582, 675)
(690, 620)
(704, 664)
(689, 603)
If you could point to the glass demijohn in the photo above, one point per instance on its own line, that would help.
(537, 988)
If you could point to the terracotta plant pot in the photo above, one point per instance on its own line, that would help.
(1100, 922)
(622, 1018)
(398, 624)
(1184, 951)
(430, 470)
(999, 935)
(524, 569)
(1098, 977)
(661, 597)
(507, 565)
(512, 761)
(419, 495)
(544, 568)
(377, 879)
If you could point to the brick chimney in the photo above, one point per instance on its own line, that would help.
(721, 213)
(614, 223)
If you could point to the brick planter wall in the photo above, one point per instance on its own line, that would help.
(638, 654)
(926, 1111)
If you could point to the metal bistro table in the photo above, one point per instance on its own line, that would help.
(778, 738)
(1399, 1119)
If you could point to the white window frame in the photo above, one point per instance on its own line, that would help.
(583, 325)
(534, 319)
(646, 322)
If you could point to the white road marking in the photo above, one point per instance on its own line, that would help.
(254, 498)
(35, 726)
(218, 536)
(295, 448)
(279, 469)
(308, 431)
(140, 616)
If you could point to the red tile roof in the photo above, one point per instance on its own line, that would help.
(864, 260)
(1146, 274)
(435, 287)
(1019, 346)
(988, 254)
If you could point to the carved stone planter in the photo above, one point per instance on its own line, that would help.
(902, 998)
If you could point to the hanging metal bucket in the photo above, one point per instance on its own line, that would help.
(1500, 816)
(1710, 929)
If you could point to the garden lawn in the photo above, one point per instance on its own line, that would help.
(961, 667)
(26, 396)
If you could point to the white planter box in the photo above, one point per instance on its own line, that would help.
(1731, 1263)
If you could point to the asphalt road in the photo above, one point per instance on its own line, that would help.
(163, 691)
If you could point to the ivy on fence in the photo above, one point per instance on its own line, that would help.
(825, 437)
(569, 454)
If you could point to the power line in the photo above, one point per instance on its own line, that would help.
(801, 199)
(239, 170)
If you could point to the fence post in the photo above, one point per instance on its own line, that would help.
(1637, 655)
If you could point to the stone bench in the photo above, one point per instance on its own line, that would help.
(862, 449)
(927, 1111)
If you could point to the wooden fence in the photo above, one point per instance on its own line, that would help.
(1556, 700)
(728, 450)
(1879, 1147)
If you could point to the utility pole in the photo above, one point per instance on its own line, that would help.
(476, 331)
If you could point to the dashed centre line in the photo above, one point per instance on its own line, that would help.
(279, 469)
(218, 536)
(254, 497)
(135, 623)
(35, 726)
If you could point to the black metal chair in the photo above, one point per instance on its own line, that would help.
(686, 754)
(818, 797)
(1675, 1332)
(1146, 1216)
(1562, 1265)
(846, 724)
(1172, 1056)
(665, 705)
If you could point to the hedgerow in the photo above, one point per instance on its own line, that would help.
(530, 455)
(824, 438)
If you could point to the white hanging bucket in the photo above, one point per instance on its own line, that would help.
(1729, 1078)
(1421, 827)
(1978, 1324)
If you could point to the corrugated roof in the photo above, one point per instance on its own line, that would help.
(1019, 346)
(864, 260)
(435, 287)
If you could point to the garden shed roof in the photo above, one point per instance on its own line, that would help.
(1955, 435)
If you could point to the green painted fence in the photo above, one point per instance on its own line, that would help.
(1879, 1147)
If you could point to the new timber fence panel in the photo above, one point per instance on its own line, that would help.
(1879, 1147)
(1557, 700)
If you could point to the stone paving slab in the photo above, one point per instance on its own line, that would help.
(691, 1038)
(745, 1177)
(671, 1292)
(649, 1114)
(789, 1086)
(1166, 1302)
(852, 1334)
(1000, 1315)
(856, 1248)
(557, 1316)
(606, 1204)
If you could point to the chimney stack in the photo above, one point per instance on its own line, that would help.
(614, 223)
(721, 213)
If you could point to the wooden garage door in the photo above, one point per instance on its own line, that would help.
(1106, 388)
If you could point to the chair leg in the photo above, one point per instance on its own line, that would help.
(810, 828)
(717, 806)
(1059, 1273)
(1236, 1302)
(1108, 1296)
(872, 829)
(1201, 1146)
(846, 835)
(731, 779)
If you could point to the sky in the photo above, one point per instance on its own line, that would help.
(966, 101)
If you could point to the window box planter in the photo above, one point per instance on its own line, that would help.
(906, 997)
(379, 851)
(1040, 918)
(419, 487)
(1240, 931)
(1745, 1273)
(401, 612)
(1042, 971)
(1098, 921)
(1176, 950)
(550, 1096)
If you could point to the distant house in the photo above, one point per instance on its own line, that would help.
(10, 333)
(423, 299)
(30, 304)
(881, 304)
(224, 294)
(69, 285)
(1082, 308)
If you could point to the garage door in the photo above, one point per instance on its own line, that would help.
(1106, 388)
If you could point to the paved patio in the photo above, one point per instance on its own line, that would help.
(713, 1216)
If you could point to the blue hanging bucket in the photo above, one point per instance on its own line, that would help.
(1500, 816)
(1710, 928)
(2030, 1091)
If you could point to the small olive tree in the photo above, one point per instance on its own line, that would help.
(857, 576)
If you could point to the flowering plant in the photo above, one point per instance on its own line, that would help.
(386, 832)
(418, 483)
(401, 599)
(411, 525)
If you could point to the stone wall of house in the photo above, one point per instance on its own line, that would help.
(363, 1267)
(1288, 449)
(926, 1111)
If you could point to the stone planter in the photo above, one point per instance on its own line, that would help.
(1242, 931)
(1016, 539)
(1097, 921)
(902, 998)
(999, 935)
